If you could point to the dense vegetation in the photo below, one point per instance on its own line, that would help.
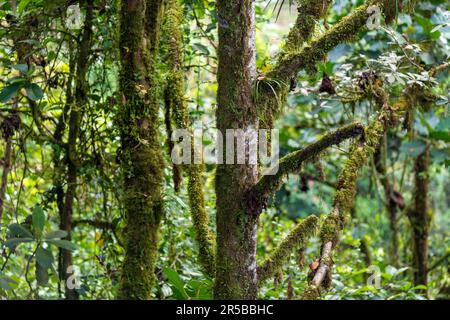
(92, 205)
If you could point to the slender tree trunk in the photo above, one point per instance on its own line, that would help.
(6, 169)
(236, 269)
(420, 218)
(73, 161)
(58, 165)
(391, 205)
(141, 154)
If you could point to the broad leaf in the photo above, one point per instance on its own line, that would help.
(38, 219)
(34, 92)
(41, 275)
(44, 257)
(9, 91)
(19, 231)
(57, 234)
(64, 244)
(14, 242)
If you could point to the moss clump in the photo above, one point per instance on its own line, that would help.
(328, 229)
(309, 12)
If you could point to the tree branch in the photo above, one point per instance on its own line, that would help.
(176, 104)
(257, 197)
(298, 237)
(343, 31)
(346, 187)
(309, 11)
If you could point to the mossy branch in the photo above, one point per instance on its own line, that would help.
(176, 104)
(204, 236)
(298, 237)
(345, 195)
(306, 58)
(309, 11)
(257, 197)
(295, 58)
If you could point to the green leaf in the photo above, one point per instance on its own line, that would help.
(9, 91)
(440, 135)
(64, 244)
(7, 283)
(58, 234)
(22, 5)
(420, 287)
(413, 148)
(175, 280)
(14, 242)
(200, 47)
(19, 231)
(21, 67)
(38, 219)
(41, 275)
(44, 257)
(34, 92)
(443, 125)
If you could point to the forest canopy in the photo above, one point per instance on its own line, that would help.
(226, 149)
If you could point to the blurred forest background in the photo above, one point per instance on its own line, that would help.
(44, 62)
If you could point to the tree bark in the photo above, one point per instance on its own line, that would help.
(420, 218)
(236, 269)
(391, 205)
(72, 158)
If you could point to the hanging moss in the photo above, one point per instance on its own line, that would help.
(296, 238)
(204, 236)
(175, 102)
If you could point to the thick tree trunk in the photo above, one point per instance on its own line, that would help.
(141, 154)
(420, 218)
(236, 268)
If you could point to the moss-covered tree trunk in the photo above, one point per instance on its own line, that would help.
(420, 217)
(236, 269)
(141, 154)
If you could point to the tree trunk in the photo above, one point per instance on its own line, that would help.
(72, 158)
(141, 154)
(391, 205)
(420, 218)
(236, 268)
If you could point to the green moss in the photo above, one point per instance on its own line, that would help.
(141, 158)
(175, 101)
(360, 152)
(292, 163)
(297, 238)
(204, 236)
